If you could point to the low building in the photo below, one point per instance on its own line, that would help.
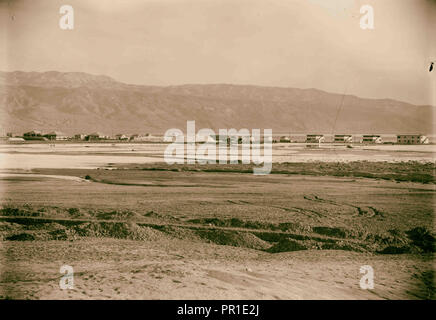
(343, 138)
(133, 137)
(315, 138)
(371, 138)
(56, 135)
(412, 139)
(121, 136)
(95, 136)
(79, 136)
(147, 138)
(139, 138)
(15, 139)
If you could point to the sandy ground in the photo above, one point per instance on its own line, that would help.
(122, 269)
(135, 234)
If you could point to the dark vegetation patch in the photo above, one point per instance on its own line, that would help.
(286, 245)
(26, 224)
(234, 222)
(46, 229)
(332, 232)
(422, 238)
(343, 245)
(59, 234)
(21, 237)
(248, 224)
(411, 171)
(428, 279)
(119, 230)
(395, 250)
(23, 210)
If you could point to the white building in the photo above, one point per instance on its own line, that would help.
(371, 138)
(315, 138)
(79, 136)
(343, 138)
(412, 139)
(121, 136)
(56, 135)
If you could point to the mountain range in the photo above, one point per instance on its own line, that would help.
(76, 102)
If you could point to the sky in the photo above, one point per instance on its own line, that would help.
(286, 43)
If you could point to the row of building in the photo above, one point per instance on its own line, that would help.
(95, 136)
(369, 139)
(310, 138)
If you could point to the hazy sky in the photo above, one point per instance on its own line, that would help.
(287, 43)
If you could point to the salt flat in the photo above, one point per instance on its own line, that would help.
(94, 155)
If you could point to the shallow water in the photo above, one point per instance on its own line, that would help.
(95, 155)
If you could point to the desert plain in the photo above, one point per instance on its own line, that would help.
(143, 229)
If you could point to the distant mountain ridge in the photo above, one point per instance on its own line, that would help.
(75, 102)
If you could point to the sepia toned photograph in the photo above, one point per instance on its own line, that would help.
(217, 150)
